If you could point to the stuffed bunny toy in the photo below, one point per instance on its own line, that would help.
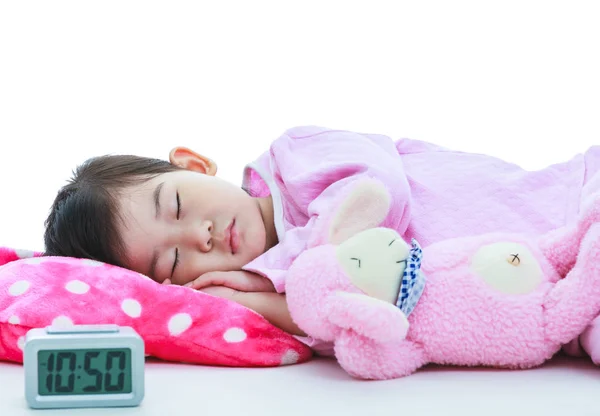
(499, 300)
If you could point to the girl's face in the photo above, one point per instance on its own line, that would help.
(180, 225)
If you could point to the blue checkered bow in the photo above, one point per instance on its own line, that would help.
(413, 280)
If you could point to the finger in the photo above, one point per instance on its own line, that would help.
(245, 281)
(207, 279)
(238, 280)
(258, 283)
(221, 292)
(166, 282)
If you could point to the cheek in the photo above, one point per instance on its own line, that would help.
(137, 246)
(255, 236)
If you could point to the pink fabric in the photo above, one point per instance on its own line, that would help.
(437, 193)
(460, 319)
(176, 323)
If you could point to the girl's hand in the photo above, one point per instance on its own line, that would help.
(238, 280)
(250, 290)
(272, 306)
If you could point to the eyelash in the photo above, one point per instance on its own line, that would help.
(176, 262)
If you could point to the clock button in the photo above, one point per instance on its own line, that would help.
(83, 329)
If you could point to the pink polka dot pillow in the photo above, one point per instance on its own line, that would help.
(176, 323)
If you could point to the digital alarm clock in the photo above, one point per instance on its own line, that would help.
(83, 366)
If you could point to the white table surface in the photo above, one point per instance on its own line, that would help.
(563, 386)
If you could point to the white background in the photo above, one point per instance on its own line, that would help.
(515, 79)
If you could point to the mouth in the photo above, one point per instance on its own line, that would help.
(233, 239)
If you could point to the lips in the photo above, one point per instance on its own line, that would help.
(234, 239)
(231, 237)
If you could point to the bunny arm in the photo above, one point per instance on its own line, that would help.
(562, 245)
(366, 358)
(373, 318)
(575, 300)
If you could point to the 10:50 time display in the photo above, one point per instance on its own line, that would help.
(84, 371)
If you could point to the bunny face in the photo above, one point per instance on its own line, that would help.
(374, 260)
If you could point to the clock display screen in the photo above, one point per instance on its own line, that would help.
(84, 371)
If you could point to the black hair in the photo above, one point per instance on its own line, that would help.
(84, 217)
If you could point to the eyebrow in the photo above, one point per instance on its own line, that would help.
(156, 197)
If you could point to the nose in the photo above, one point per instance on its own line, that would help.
(199, 237)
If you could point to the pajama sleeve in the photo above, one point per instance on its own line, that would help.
(311, 167)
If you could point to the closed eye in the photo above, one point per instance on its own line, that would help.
(354, 258)
(176, 262)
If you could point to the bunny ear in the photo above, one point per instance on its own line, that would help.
(365, 206)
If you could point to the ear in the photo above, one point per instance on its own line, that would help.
(365, 207)
(190, 160)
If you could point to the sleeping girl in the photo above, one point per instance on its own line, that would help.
(178, 223)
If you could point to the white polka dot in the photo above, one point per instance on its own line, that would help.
(290, 357)
(21, 343)
(132, 308)
(179, 323)
(62, 321)
(24, 254)
(19, 287)
(77, 287)
(14, 320)
(35, 260)
(234, 335)
(91, 263)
